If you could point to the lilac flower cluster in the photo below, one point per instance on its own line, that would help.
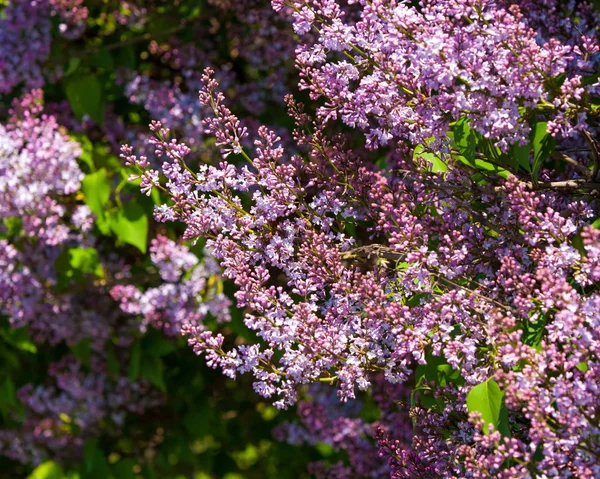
(25, 38)
(407, 72)
(346, 269)
(37, 162)
(187, 293)
(323, 420)
(41, 223)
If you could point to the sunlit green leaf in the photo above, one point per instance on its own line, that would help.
(130, 224)
(488, 399)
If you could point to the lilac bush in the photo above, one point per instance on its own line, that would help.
(94, 378)
(434, 225)
(385, 213)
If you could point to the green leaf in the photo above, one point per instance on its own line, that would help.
(324, 449)
(94, 462)
(112, 363)
(74, 264)
(87, 155)
(583, 367)
(155, 344)
(103, 59)
(96, 189)
(486, 166)
(82, 351)
(130, 224)
(488, 399)
(8, 396)
(464, 139)
(126, 57)
(85, 97)
(72, 66)
(533, 331)
(435, 372)
(124, 469)
(520, 156)
(19, 339)
(13, 227)
(133, 371)
(153, 369)
(437, 164)
(47, 470)
(543, 146)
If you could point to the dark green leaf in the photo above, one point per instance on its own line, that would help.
(82, 351)
(152, 369)
(533, 331)
(94, 462)
(103, 59)
(126, 57)
(133, 371)
(72, 66)
(85, 97)
(520, 156)
(124, 469)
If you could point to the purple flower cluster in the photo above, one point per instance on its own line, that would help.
(407, 72)
(37, 162)
(346, 269)
(42, 223)
(189, 290)
(25, 38)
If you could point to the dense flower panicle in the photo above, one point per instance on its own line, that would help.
(407, 72)
(20, 61)
(188, 292)
(37, 162)
(42, 224)
(407, 242)
(504, 290)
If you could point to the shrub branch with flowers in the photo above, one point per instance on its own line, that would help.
(407, 255)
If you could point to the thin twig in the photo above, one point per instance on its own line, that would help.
(567, 159)
(595, 155)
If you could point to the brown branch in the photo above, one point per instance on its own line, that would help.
(567, 159)
(595, 155)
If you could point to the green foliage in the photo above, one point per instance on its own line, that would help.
(488, 399)
(75, 265)
(436, 372)
(47, 470)
(130, 225)
(543, 146)
(85, 97)
(96, 188)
